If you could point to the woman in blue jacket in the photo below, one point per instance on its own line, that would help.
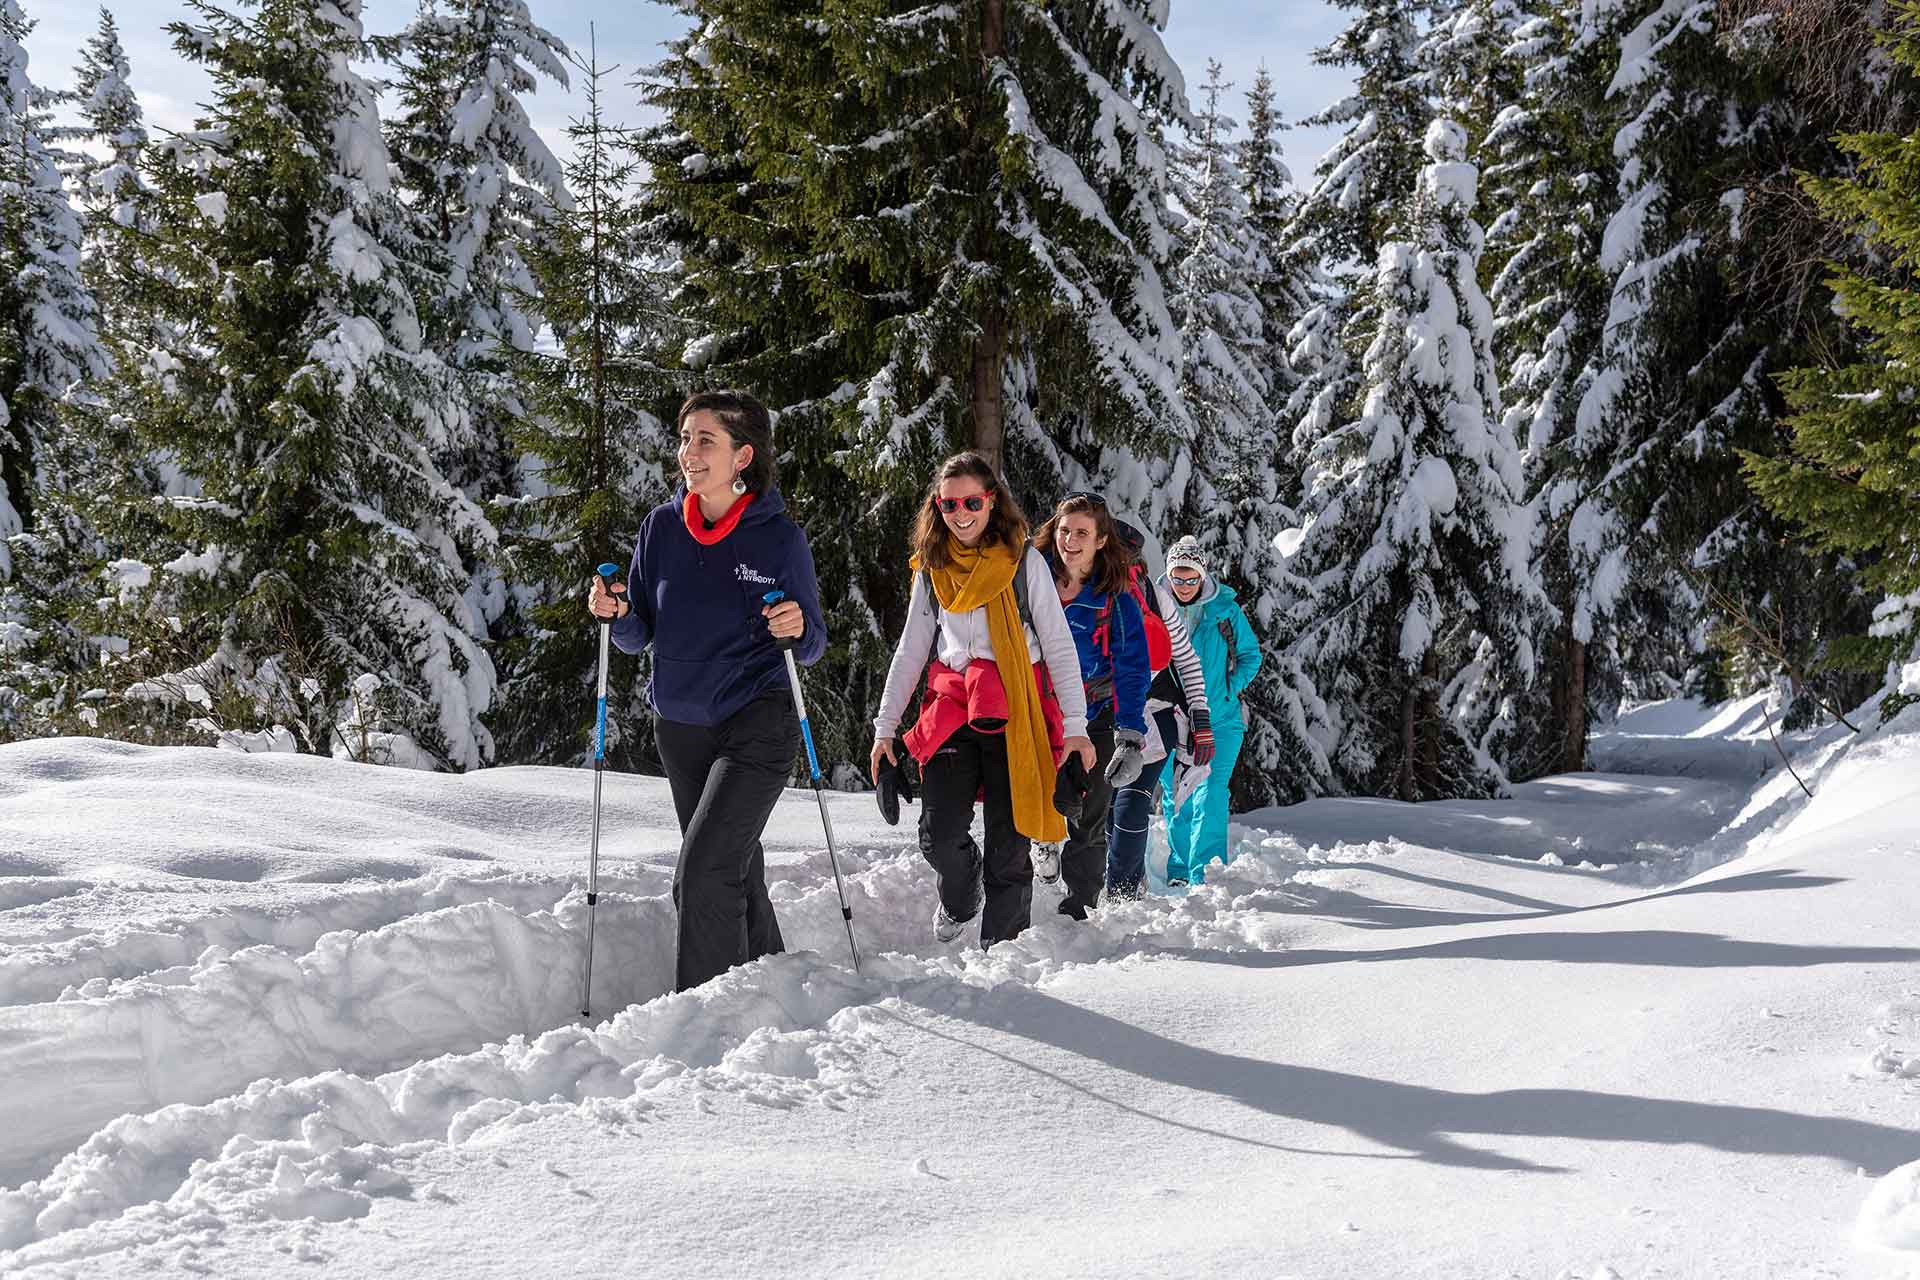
(723, 710)
(1229, 659)
(1090, 570)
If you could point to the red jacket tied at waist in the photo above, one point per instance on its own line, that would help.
(975, 697)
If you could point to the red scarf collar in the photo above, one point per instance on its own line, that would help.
(697, 523)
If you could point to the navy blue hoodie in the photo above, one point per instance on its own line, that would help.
(699, 607)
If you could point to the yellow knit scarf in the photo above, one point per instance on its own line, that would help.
(983, 576)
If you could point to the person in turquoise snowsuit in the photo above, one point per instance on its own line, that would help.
(1229, 659)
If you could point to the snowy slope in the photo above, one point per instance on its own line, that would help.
(263, 1012)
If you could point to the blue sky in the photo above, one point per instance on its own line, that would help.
(1241, 34)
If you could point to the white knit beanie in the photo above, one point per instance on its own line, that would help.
(1187, 551)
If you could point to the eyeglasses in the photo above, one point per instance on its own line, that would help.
(972, 502)
(1087, 496)
(1179, 580)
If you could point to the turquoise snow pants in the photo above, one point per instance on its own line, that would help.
(1197, 831)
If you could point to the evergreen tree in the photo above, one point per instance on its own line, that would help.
(1553, 177)
(320, 582)
(1417, 604)
(1225, 489)
(1699, 318)
(1361, 188)
(49, 348)
(48, 323)
(105, 188)
(1282, 286)
(596, 459)
(486, 186)
(1851, 482)
(1467, 60)
(915, 229)
(1227, 476)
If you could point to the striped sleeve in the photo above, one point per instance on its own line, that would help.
(1186, 663)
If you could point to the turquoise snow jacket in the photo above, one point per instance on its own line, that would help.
(1224, 640)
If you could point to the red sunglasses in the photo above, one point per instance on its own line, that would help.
(972, 502)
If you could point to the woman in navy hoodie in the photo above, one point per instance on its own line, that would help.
(1090, 571)
(723, 712)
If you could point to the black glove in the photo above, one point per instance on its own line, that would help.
(1070, 788)
(890, 788)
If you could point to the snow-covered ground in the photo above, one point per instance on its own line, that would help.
(274, 1015)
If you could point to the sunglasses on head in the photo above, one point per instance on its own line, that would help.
(972, 502)
(1090, 498)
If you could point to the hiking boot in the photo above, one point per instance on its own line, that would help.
(945, 927)
(1046, 863)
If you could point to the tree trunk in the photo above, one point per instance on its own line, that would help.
(1409, 711)
(1573, 747)
(1427, 781)
(988, 375)
(989, 388)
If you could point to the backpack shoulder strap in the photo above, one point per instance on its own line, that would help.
(1020, 589)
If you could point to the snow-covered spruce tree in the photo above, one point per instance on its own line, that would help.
(49, 346)
(594, 457)
(915, 228)
(106, 142)
(485, 185)
(1851, 482)
(1468, 61)
(1284, 285)
(1360, 188)
(1553, 180)
(320, 576)
(1224, 488)
(1225, 478)
(1417, 604)
(1703, 311)
(744, 312)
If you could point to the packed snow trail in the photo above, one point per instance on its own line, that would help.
(1380, 1058)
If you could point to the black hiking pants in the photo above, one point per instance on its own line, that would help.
(1083, 859)
(725, 779)
(966, 764)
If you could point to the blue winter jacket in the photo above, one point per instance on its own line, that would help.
(1127, 665)
(699, 607)
(1228, 664)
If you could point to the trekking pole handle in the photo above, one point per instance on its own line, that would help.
(772, 598)
(605, 571)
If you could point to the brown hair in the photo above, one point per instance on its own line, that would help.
(1006, 522)
(1111, 563)
(747, 422)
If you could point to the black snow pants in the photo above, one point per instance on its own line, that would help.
(726, 779)
(967, 763)
(1083, 859)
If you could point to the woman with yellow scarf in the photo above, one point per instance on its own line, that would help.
(1003, 702)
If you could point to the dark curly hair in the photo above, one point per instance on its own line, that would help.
(747, 422)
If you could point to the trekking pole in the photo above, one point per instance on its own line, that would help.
(606, 572)
(819, 794)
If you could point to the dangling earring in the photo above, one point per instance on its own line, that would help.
(739, 485)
